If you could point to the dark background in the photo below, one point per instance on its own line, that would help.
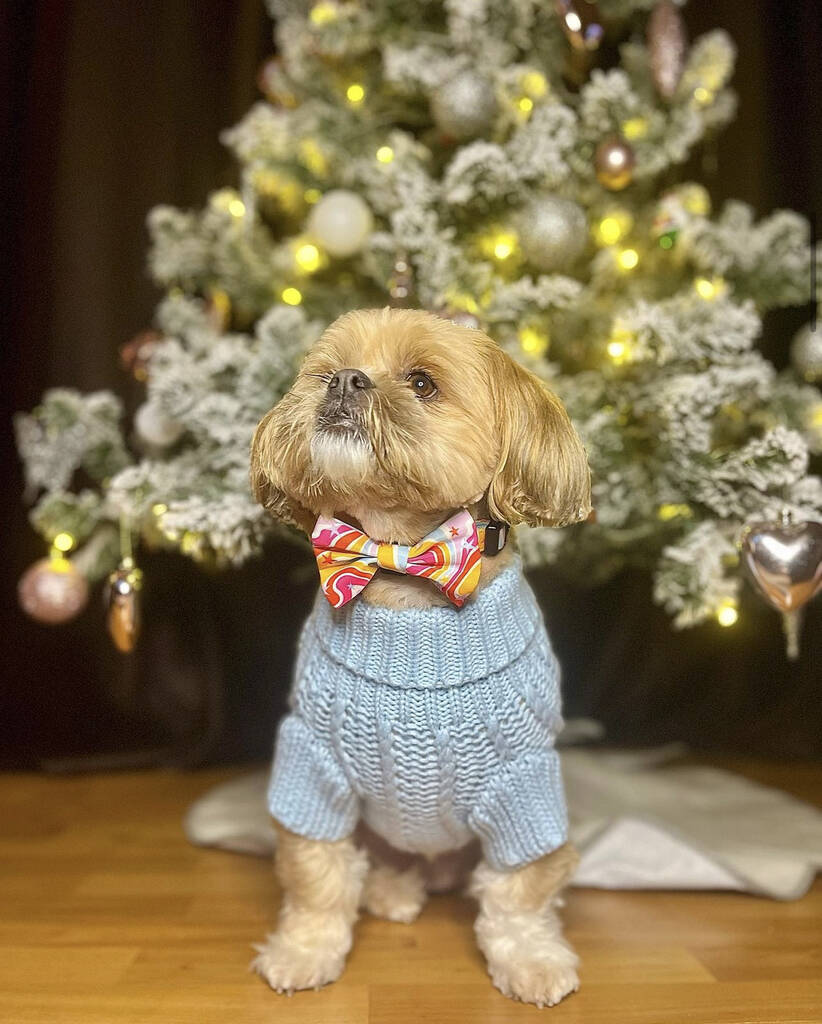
(111, 108)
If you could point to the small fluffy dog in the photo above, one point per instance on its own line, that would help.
(424, 710)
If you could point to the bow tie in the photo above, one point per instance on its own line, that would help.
(449, 556)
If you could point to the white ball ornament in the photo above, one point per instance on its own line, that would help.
(341, 222)
(155, 427)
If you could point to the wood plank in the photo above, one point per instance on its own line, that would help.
(108, 916)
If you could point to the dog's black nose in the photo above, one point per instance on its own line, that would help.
(345, 381)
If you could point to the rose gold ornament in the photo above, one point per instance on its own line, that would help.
(122, 599)
(614, 162)
(667, 45)
(52, 590)
(136, 353)
(273, 83)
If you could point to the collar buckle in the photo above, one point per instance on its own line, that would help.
(496, 534)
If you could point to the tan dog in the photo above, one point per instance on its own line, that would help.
(397, 419)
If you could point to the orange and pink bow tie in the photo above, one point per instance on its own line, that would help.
(449, 556)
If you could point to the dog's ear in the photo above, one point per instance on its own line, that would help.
(270, 450)
(542, 477)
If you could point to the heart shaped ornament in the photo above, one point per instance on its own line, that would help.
(784, 561)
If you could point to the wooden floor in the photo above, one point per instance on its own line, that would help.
(108, 916)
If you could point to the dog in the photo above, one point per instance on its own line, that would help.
(426, 696)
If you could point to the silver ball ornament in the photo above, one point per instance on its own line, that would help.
(552, 232)
(806, 353)
(341, 222)
(52, 590)
(156, 428)
(465, 106)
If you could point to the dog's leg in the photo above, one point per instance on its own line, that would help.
(321, 886)
(519, 931)
(394, 894)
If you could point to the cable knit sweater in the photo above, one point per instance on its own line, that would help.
(435, 726)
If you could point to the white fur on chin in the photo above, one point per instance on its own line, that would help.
(342, 458)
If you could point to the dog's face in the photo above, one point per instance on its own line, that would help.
(400, 409)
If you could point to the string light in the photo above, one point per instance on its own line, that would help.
(227, 201)
(673, 510)
(308, 257)
(614, 225)
(63, 542)
(535, 84)
(620, 344)
(635, 128)
(385, 154)
(573, 21)
(628, 259)
(312, 195)
(710, 288)
(534, 341)
(159, 509)
(727, 613)
(696, 199)
(355, 94)
(525, 104)
(291, 296)
(323, 13)
(703, 96)
(503, 245)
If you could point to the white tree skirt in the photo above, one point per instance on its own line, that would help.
(639, 822)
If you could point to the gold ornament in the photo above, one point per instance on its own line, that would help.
(784, 562)
(122, 599)
(52, 590)
(614, 162)
(667, 45)
(581, 22)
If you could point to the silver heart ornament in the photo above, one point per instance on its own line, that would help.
(784, 561)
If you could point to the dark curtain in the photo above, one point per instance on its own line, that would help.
(111, 108)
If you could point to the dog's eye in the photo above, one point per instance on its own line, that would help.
(421, 384)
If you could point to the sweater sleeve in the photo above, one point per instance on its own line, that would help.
(309, 793)
(521, 816)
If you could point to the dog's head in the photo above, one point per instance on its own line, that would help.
(400, 409)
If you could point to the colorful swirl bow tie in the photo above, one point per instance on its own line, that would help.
(449, 556)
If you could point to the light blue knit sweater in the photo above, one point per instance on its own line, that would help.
(434, 726)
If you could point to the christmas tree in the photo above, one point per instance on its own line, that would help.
(515, 167)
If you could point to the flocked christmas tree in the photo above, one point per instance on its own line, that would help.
(473, 158)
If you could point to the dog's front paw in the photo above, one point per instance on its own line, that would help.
(534, 981)
(288, 965)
